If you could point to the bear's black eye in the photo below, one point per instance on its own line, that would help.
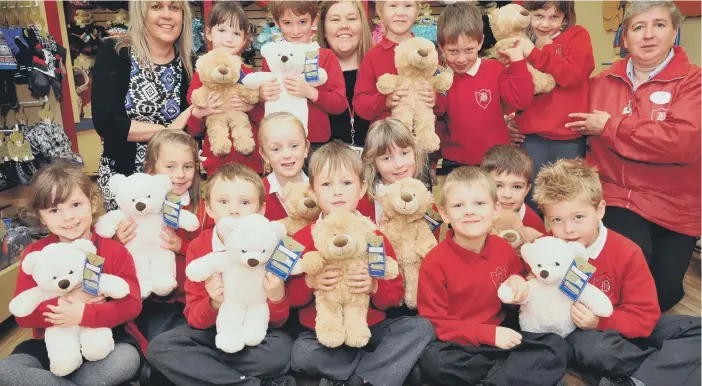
(149, 196)
(54, 277)
(243, 251)
(557, 265)
(264, 251)
(539, 265)
(133, 200)
(70, 272)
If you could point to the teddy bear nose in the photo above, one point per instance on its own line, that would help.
(543, 274)
(223, 70)
(406, 197)
(341, 241)
(63, 283)
(252, 262)
(524, 12)
(423, 52)
(283, 58)
(309, 203)
(140, 206)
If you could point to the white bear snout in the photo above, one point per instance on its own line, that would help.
(140, 206)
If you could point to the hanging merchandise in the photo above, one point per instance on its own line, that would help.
(48, 139)
(426, 24)
(82, 4)
(42, 58)
(84, 36)
(14, 242)
(8, 68)
(119, 25)
(266, 32)
(198, 35)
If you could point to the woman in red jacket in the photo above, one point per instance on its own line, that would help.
(645, 139)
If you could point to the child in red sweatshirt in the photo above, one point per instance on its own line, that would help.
(458, 282)
(336, 181)
(636, 345)
(187, 355)
(474, 103)
(63, 198)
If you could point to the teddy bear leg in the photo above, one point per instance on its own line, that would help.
(410, 273)
(163, 272)
(404, 113)
(229, 336)
(141, 263)
(425, 132)
(242, 134)
(357, 332)
(255, 324)
(329, 324)
(96, 343)
(218, 132)
(63, 349)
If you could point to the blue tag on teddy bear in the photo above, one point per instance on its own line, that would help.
(312, 66)
(437, 73)
(92, 271)
(576, 278)
(376, 256)
(284, 257)
(171, 210)
(433, 219)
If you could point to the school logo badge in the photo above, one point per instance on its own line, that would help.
(499, 276)
(604, 283)
(558, 49)
(659, 114)
(483, 97)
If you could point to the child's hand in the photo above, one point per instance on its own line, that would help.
(298, 86)
(126, 231)
(393, 100)
(583, 317)
(514, 134)
(542, 41)
(270, 91)
(427, 94)
(360, 282)
(507, 338)
(171, 241)
(239, 105)
(519, 288)
(326, 280)
(514, 53)
(213, 104)
(215, 288)
(78, 295)
(66, 314)
(274, 287)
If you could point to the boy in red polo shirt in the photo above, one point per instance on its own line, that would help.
(336, 182)
(458, 281)
(636, 345)
(187, 355)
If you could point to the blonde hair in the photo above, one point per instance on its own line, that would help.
(565, 180)
(379, 5)
(366, 41)
(136, 39)
(181, 138)
(235, 171)
(508, 159)
(382, 136)
(281, 118)
(459, 19)
(337, 156)
(469, 175)
(299, 7)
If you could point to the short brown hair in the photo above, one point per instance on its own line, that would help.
(565, 180)
(53, 185)
(467, 175)
(338, 156)
(299, 7)
(228, 11)
(459, 19)
(508, 159)
(236, 171)
(566, 7)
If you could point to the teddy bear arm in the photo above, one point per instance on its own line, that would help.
(323, 77)
(247, 95)
(312, 263)
(113, 286)
(442, 82)
(256, 79)
(106, 225)
(26, 302)
(199, 97)
(200, 269)
(426, 241)
(188, 221)
(597, 301)
(387, 83)
(392, 270)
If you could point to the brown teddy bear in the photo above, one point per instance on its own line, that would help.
(416, 61)
(220, 72)
(302, 209)
(404, 205)
(509, 226)
(509, 24)
(342, 238)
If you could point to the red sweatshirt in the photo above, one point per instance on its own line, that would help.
(389, 292)
(474, 115)
(198, 311)
(112, 313)
(331, 100)
(532, 220)
(458, 289)
(197, 126)
(623, 275)
(570, 60)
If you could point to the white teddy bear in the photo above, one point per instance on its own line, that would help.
(243, 316)
(141, 197)
(285, 59)
(58, 269)
(547, 309)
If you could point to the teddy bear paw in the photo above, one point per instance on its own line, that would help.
(97, 350)
(505, 294)
(411, 302)
(163, 286)
(222, 148)
(254, 336)
(331, 337)
(245, 145)
(357, 336)
(65, 364)
(431, 141)
(229, 343)
(145, 287)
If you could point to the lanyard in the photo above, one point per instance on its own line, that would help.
(353, 131)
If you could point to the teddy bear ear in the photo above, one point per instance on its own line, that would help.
(163, 181)
(267, 48)
(86, 246)
(30, 261)
(578, 249)
(227, 225)
(280, 230)
(525, 250)
(116, 181)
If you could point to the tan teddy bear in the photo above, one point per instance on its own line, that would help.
(342, 238)
(509, 226)
(219, 72)
(509, 24)
(301, 207)
(404, 205)
(416, 61)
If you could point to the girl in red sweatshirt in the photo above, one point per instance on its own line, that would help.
(64, 200)
(563, 50)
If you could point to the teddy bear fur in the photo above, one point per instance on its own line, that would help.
(220, 72)
(404, 204)
(510, 227)
(416, 61)
(141, 196)
(243, 316)
(58, 269)
(509, 24)
(302, 208)
(547, 309)
(285, 59)
(342, 238)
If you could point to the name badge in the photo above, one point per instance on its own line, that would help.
(92, 271)
(284, 257)
(576, 278)
(171, 210)
(376, 256)
(312, 66)
(433, 218)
